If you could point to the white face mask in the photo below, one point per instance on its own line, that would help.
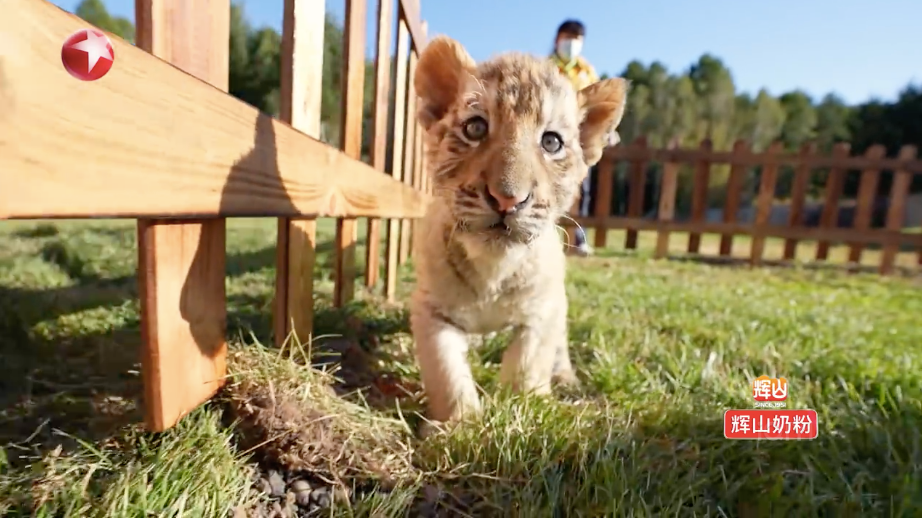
(569, 49)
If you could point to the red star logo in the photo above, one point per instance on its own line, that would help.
(87, 54)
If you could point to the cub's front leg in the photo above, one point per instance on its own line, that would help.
(441, 353)
(532, 357)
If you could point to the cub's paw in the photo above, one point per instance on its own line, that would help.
(566, 379)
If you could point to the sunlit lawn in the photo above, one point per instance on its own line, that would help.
(663, 348)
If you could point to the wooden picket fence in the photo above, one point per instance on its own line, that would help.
(159, 140)
(742, 160)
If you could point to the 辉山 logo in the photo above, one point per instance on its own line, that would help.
(770, 419)
(87, 54)
(770, 392)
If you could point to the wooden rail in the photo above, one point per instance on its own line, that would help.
(159, 140)
(741, 160)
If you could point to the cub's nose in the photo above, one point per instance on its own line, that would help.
(506, 202)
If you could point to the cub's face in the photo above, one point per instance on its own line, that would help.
(508, 141)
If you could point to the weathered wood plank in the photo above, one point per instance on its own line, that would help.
(834, 184)
(161, 143)
(764, 202)
(379, 130)
(700, 195)
(867, 194)
(351, 140)
(602, 207)
(636, 191)
(666, 210)
(181, 264)
(392, 253)
(300, 96)
(409, 155)
(798, 197)
(734, 191)
(896, 213)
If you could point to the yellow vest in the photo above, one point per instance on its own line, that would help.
(579, 72)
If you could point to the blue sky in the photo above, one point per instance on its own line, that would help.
(856, 48)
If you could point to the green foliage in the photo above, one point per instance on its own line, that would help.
(799, 121)
(700, 102)
(95, 12)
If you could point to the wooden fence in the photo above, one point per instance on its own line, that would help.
(159, 140)
(742, 160)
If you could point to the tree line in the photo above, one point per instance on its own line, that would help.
(690, 105)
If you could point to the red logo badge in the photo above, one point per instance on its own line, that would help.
(769, 389)
(87, 54)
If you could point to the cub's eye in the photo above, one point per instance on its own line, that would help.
(551, 142)
(475, 128)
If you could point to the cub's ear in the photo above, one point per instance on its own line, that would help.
(441, 73)
(602, 106)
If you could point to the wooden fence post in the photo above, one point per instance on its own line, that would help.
(896, 213)
(397, 165)
(379, 131)
(834, 183)
(419, 170)
(299, 105)
(700, 193)
(181, 264)
(351, 142)
(666, 210)
(734, 191)
(765, 201)
(605, 191)
(636, 191)
(867, 194)
(409, 153)
(798, 197)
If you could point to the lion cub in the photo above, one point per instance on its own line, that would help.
(508, 142)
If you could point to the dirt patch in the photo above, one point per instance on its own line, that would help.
(297, 437)
(314, 449)
(357, 370)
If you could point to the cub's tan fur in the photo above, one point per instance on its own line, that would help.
(487, 254)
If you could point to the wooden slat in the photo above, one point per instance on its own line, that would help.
(351, 141)
(689, 156)
(409, 162)
(569, 223)
(417, 179)
(181, 265)
(418, 169)
(896, 212)
(410, 12)
(666, 210)
(867, 195)
(700, 194)
(427, 185)
(379, 130)
(798, 196)
(636, 192)
(603, 200)
(838, 235)
(161, 143)
(834, 183)
(734, 192)
(766, 198)
(919, 251)
(299, 106)
(400, 115)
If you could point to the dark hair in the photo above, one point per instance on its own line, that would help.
(572, 27)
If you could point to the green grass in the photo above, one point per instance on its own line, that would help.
(663, 348)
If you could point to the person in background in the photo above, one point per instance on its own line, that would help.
(568, 57)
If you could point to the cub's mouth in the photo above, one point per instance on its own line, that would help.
(499, 225)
